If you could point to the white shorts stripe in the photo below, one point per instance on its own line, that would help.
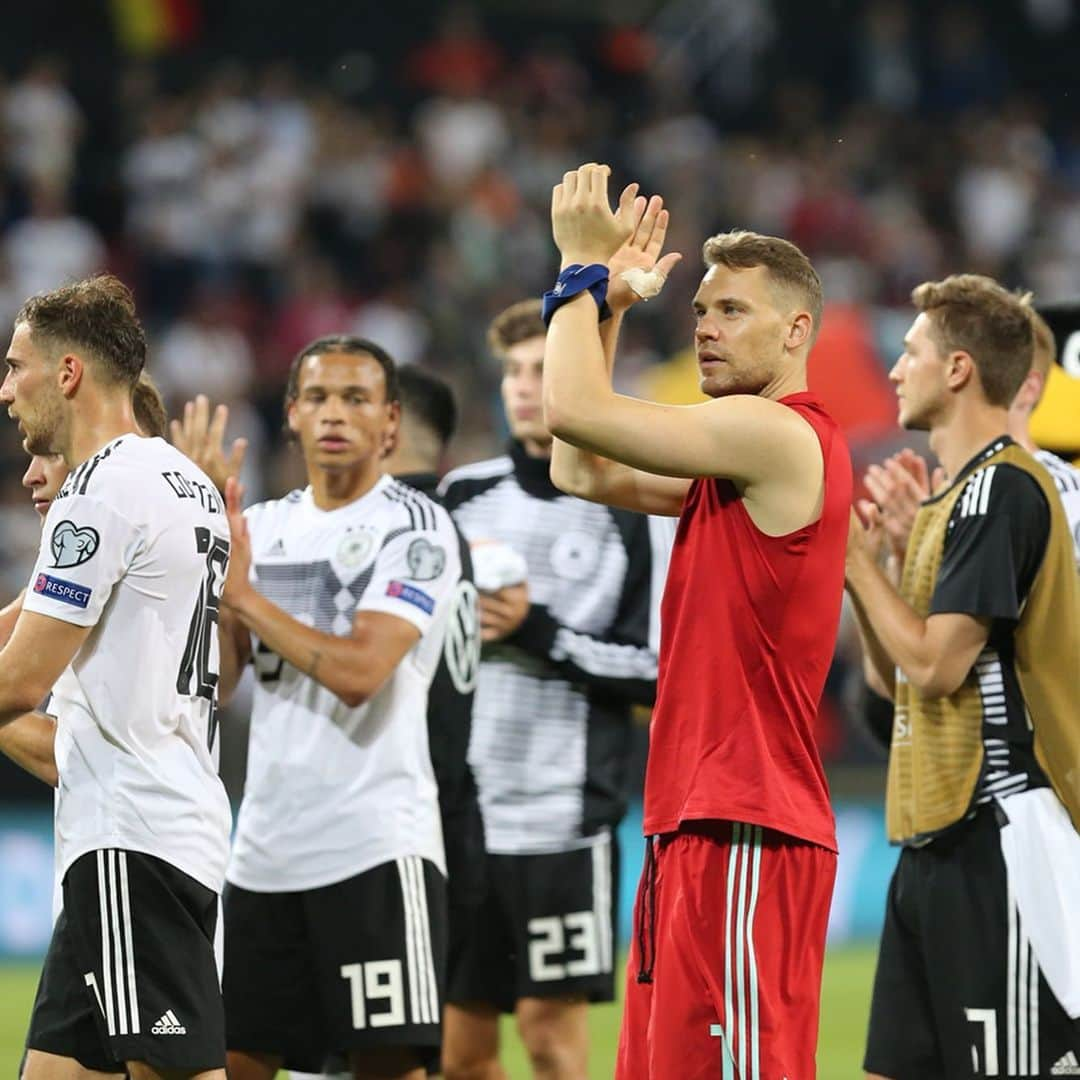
(425, 930)
(410, 942)
(106, 957)
(740, 946)
(729, 1001)
(118, 955)
(601, 882)
(129, 949)
(423, 971)
(1033, 1010)
(755, 868)
(1022, 1005)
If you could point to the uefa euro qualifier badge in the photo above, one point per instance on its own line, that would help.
(73, 545)
(426, 560)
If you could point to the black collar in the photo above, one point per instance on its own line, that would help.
(533, 474)
(427, 482)
(997, 444)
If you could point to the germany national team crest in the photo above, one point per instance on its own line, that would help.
(355, 549)
(574, 555)
(73, 545)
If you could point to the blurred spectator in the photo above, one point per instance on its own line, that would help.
(393, 320)
(43, 125)
(204, 352)
(401, 190)
(51, 246)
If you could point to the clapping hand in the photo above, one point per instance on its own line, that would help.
(586, 229)
(237, 579)
(898, 487)
(202, 439)
(640, 257)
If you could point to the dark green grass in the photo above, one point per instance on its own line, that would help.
(845, 1002)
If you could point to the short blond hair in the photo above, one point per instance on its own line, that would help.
(1045, 345)
(517, 323)
(787, 265)
(974, 314)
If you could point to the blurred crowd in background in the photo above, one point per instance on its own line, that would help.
(263, 174)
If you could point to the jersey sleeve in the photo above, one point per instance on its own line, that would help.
(996, 539)
(415, 573)
(623, 661)
(86, 548)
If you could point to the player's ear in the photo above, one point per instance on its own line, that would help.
(291, 420)
(800, 330)
(393, 427)
(959, 369)
(69, 372)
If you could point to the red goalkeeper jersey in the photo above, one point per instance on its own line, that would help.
(748, 628)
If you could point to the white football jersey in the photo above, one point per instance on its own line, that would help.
(333, 791)
(1067, 479)
(136, 544)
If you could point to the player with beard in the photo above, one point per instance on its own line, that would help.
(725, 965)
(133, 553)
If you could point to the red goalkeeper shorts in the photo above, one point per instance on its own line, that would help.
(724, 975)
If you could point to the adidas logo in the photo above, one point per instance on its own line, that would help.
(277, 548)
(1066, 1066)
(168, 1025)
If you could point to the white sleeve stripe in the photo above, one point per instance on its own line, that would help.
(604, 658)
(984, 501)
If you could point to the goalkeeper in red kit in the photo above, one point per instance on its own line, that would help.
(725, 966)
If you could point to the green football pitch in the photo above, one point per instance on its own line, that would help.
(845, 1002)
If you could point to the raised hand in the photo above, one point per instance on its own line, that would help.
(898, 486)
(638, 270)
(237, 580)
(585, 228)
(202, 439)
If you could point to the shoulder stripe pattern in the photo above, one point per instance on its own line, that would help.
(976, 497)
(78, 481)
(420, 507)
(480, 470)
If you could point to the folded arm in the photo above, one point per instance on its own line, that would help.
(38, 651)
(353, 667)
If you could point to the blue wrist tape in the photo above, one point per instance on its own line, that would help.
(577, 279)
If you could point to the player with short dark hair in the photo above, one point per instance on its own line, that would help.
(725, 965)
(340, 594)
(120, 623)
(978, 967)
(570, 644)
